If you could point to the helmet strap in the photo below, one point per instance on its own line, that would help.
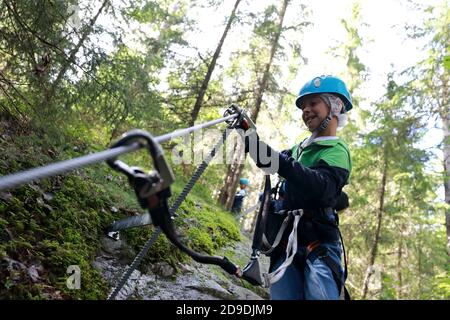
(324, 123)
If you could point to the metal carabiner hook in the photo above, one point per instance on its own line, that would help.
(243, 121)
(232, 110)
(144, 184)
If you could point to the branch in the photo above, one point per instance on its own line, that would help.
(6, 80)
(203, 59)
(12, 102)
(71, 58)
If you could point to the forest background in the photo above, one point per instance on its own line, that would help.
(75, 75)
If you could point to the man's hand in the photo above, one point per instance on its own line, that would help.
(264, 157)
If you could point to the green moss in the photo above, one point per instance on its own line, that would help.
(67, 229)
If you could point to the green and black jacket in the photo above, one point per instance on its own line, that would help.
(314, 180)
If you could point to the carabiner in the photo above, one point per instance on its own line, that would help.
(144, 184)
(153, 192)
(243, 121)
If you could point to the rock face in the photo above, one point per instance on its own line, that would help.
(192, 282)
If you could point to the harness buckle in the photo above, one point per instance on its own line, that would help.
(311, 246)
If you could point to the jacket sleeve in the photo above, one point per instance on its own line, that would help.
(321, 182)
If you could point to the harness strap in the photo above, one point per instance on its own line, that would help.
(291, 250)
(339, 277)
(345, 256)
(278, 237)
(340, 280)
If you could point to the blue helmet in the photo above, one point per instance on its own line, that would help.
(244, 181)
(326, 84)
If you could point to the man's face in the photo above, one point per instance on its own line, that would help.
(243, 186)
(314, 111)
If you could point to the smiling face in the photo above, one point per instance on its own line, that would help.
(314, 111)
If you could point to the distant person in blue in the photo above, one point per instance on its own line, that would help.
(240, 195)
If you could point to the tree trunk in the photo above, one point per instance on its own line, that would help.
(73, 53)
(445, 117)
(212, 65)
(226, 191)
(265, 78)
(419, 262)
(237, 168)
(373, 251)
(399, 268)
(262, 87)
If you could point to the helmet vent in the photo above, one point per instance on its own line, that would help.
(316, 82)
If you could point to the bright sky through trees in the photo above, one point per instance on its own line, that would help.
(386, 46)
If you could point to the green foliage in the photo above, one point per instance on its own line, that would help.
(210, 228)
(55, 224)
(71, 83)
(407, 200)
(58, 222)
(440, 287)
